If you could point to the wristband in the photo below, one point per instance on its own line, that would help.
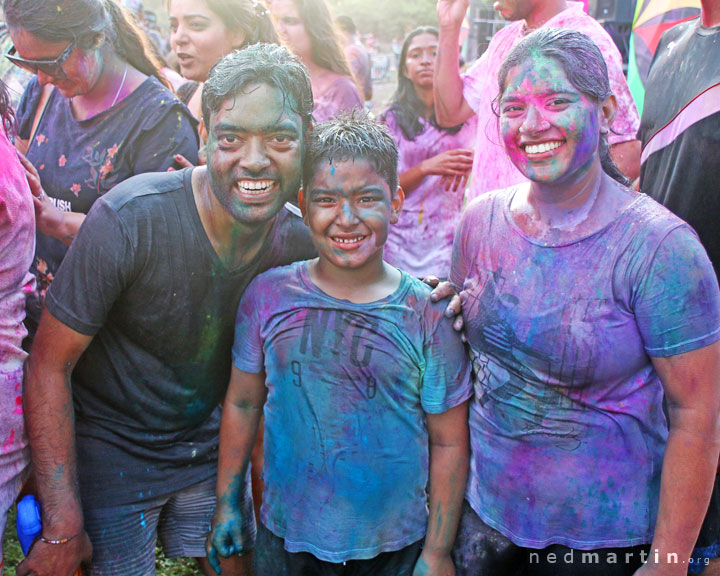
(59, 541)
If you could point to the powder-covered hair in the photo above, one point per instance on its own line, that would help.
(406, 106)
(259, 64)
(86, 22)
(353, 136)
(583, 64)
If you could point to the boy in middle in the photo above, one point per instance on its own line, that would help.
(363, 382)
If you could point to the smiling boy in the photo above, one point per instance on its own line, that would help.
(363, 383)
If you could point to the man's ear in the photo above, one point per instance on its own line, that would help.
(202, 131)
(396, 205)
(301, 204)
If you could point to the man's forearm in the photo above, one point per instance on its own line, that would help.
(49, 417)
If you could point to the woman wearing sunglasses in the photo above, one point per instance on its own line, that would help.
(97, 113)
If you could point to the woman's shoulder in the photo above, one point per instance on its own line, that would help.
(651, 218)
(493, 200)
(154, 103)
(151, 88)
(338, 86)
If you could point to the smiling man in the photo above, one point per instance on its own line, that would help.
(132, 356)
(458, 97)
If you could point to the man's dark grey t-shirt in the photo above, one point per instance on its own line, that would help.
(143, 278)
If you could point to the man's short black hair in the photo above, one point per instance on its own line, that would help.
(259, 64)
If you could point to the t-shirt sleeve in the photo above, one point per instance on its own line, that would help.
(94, 273)
(172, 133)
(26, 108)
(474, 80)
(446, 381)
(677, 301)
(345, 95)
(247, 350)
(461, 249)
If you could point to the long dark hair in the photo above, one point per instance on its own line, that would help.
(584, 66)
(406, 106)
(6, 111)
(327, 51)
(86, 22)
(253, 20)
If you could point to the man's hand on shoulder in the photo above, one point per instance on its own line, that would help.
(442, 291)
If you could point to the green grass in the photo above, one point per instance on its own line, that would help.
(164, 566)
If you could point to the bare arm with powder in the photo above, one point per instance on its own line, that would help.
(692, 387)
(449, 461)
(451, 109)
(241, 416)
(49, 416)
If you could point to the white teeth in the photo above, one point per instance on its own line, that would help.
(255, 185)
(540, 148)
(348, 240)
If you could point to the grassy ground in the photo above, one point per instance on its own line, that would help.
(164, 566)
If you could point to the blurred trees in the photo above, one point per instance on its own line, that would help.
(387, 18)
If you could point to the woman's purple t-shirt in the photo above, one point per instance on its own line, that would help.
(341, 96)
(421, 241)
(567, 427)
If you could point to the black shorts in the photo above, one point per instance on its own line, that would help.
(271, 559)
(483, 551)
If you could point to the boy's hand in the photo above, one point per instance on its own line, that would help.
(430, 564)
(225, 539)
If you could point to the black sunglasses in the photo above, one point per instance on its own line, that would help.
(50, 67)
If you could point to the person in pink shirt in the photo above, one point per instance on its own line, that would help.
(434, 164)
(459, 97)
(17, 246)
(306, 27)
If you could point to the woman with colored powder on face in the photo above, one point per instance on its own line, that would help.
(97, 113)
(307, 28)
(203, 31)
(434, 164)
(17, 241)
(584, 303)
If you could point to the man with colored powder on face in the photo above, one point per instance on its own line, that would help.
(363, 383)
(458, 97)
(132, 356)
(680, 133)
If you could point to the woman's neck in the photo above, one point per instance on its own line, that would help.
(426, 96)
(107, 89)
(554, 212)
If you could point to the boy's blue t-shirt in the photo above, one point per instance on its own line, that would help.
(346, 445)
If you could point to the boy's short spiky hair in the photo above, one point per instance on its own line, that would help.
(353, 136)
